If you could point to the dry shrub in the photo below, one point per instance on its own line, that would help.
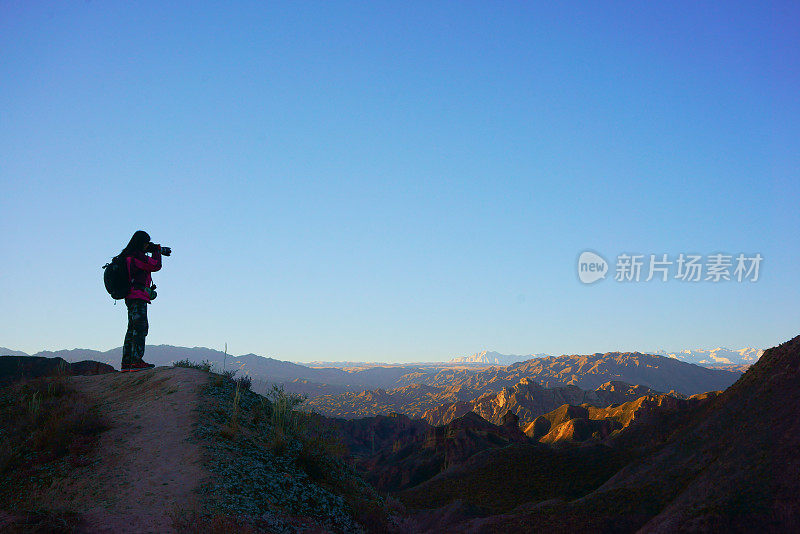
(43, 420)
(319, 443)
(229, 374)
(282, 409)
(244, 382)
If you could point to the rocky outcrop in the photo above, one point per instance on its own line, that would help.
(511, 425)
(570, 423)
(90, 367)
(14, 368)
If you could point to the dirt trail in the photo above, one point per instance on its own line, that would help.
(143, 466)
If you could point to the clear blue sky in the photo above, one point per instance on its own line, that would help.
(398, 181)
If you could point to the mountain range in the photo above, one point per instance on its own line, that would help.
(707, 357)
(528, 388)
(717, 462)
(464, 380)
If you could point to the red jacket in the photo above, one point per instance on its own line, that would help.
(140, 265)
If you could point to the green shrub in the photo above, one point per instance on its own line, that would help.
(282, 406)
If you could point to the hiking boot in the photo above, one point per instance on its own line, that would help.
(138, 366)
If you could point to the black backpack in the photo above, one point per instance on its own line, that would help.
(116, 278)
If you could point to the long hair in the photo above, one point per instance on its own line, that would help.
(140, 237)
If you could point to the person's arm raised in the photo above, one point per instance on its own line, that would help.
(151, 264)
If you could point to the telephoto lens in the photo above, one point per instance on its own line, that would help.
(166, 251)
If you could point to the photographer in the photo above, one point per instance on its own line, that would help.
(142, 292)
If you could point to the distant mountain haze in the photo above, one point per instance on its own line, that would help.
(495, 358)
(705, 357)
(8, 352)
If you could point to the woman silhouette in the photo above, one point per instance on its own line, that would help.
(140, 265)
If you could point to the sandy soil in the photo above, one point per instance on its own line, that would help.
(143, 468)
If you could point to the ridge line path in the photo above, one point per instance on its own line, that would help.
(143, 468)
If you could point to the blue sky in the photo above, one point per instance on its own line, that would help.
(398, 181)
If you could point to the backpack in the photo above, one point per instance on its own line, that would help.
(116, 278)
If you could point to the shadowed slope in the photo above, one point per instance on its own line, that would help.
(423, 453)
(497, 480)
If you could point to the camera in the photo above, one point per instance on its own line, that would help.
(165, 251)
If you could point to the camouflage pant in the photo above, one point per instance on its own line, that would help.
(133, 349)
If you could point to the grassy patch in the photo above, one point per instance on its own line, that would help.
(204, 366)
(244, 382)
(46, 427)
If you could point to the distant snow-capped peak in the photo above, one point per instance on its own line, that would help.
(719, 355)
(715, 356)
(495, 358)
